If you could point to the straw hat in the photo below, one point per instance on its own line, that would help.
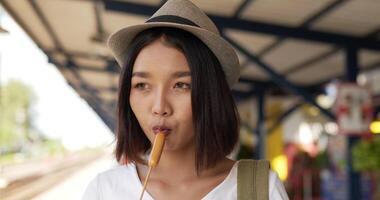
(181, 14)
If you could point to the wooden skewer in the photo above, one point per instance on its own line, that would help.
(145, 183)
(158, 145)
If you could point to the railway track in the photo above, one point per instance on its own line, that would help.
(31, 185)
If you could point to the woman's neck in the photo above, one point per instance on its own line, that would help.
(180, 167)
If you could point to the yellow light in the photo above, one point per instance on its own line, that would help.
(375, 127)
(313, 111)
(280, 165)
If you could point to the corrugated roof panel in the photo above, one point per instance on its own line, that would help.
(220, 7)
(252, 71)
(113, 21)
(73, 34)
(147, 2)
(115, 79)
(96, 79)
(253, 42)
(286, 12)
(87, 62)
(292, 52)
(356, 17)
(321, 71)
(75, 25)
(108, 96)
(243, 87)
(25, 12)
(367, 58)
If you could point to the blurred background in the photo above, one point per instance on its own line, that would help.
(308, 97)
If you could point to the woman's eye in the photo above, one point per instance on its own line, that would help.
(182, 85)
(141, 86)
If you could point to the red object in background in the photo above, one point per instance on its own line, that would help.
(303, 181)
(353, 109)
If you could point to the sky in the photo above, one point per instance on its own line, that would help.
(59, 111)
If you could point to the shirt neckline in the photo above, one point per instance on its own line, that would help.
(214, 190)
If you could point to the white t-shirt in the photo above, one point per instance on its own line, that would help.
(122, 182)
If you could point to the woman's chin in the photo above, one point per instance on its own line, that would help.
(176, 147)
(170, 147)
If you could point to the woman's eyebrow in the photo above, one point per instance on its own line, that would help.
(181, 74)
(140, 74)
(178, 74)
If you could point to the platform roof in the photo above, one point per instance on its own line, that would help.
(302, 42)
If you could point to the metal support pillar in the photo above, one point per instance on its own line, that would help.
(261, 145)
(377, 112)
(354, 190)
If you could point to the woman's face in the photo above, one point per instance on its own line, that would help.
(160, 95)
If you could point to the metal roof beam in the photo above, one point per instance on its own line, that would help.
(241, 8)
(100, 34)
(239, 95)
(375, 33)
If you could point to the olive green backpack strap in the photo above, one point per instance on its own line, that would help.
(252, 180)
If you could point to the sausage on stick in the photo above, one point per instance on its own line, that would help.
(158, 145)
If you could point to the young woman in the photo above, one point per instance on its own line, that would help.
(176, 77)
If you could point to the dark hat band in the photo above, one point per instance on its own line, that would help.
(172, 19)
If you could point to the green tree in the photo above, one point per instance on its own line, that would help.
(366, 158)
(16, 101)
(366, 155)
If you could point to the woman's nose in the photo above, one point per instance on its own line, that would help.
(161, 106)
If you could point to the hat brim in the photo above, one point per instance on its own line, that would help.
(121, 39)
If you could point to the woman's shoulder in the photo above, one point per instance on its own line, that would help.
(117, 173)
(118, 170)
(120, 179)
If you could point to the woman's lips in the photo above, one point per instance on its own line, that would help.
(157, 129)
